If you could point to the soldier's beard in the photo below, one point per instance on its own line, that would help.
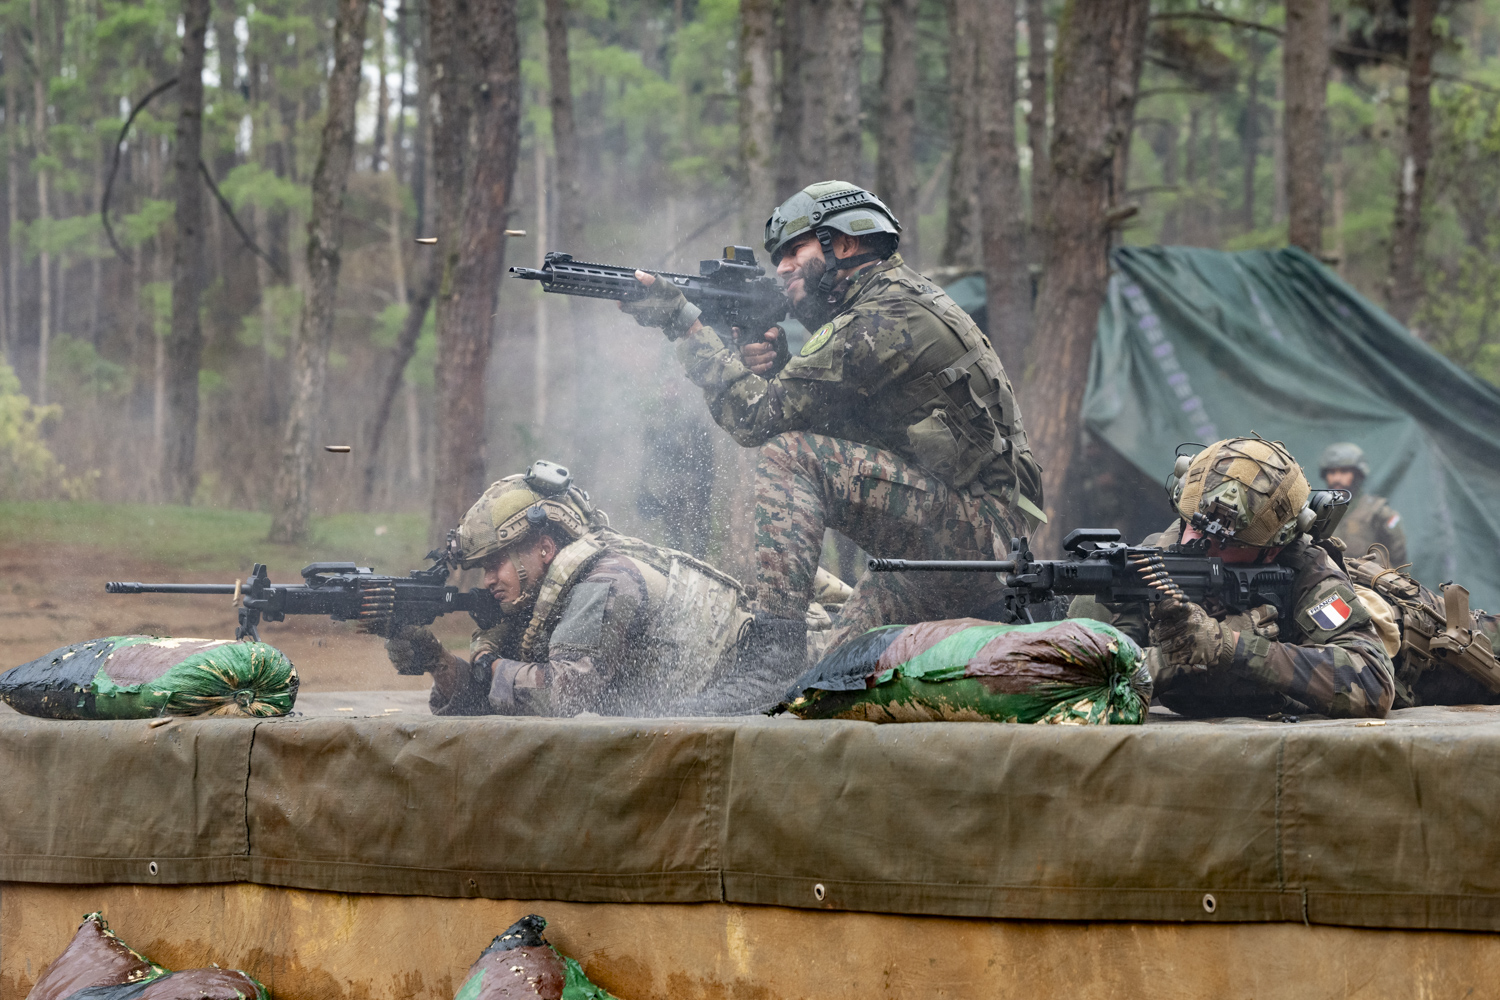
(813, 309)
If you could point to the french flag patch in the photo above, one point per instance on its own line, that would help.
(1330, 614)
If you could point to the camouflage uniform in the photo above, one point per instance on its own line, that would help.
(1371, 520)
(1342, 672)
(1247, 498)
(897, 426)
(614, 629)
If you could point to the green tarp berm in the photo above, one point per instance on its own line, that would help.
(1197, 345)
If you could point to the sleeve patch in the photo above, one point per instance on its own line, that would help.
(1335, 610)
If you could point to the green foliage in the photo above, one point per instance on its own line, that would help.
(78, 367)
(274, 325)
(1463, 273)
(28, 469)
(253, 184)
(156, 300)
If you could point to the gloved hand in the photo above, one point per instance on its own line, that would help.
(413, 649)
(663, 306)
(1260, 621)
(1185, 638)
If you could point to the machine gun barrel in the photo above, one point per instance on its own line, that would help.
(943, 565)
(168, 588)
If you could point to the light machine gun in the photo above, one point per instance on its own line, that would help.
(1101, 566)
(732, 291)
(344, 592)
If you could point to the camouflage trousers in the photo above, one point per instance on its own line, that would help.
(807, 482)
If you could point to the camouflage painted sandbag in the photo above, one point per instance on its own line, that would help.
(97, 965)
(141, 676)
(1075, 672)
(520, 963)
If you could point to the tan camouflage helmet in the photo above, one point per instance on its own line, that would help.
(1247, 489)
(512, 511)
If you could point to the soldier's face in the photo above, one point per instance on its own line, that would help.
(1340, 479)
(1233, 553)
(503, 580)
(800, 267)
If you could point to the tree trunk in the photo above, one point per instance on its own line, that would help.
(43, 212)
(895, 159)
(1036, 122)
(757, 115)
(179, 476)
(1305, 71)
(816, 67)
(474, 260)
(844, 53)
(1007, 281)
(292, 505)
(382, 92)
(1099, 55)
(961, 246)
(406, 346)
(564, 130)
(1250, 137)
(12, 68)
(1406, 235)
(789, 124)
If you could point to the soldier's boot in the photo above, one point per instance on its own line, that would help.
(772, 654)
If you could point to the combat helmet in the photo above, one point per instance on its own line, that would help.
(825, 208)
(516, 508)
(1246, 489)
(1344, 455)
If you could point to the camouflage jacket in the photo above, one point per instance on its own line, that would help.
(1370, 519)
(618, 627)
(1325, 656)
(900, 367)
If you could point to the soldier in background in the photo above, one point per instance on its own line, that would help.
(1370, 519)
(1245, 501)
(895, 424)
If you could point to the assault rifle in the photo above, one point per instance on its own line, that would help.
(732, 291)
(344, 592)
(1100, 565)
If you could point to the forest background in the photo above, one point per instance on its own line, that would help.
(244, 310)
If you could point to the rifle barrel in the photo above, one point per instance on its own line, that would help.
(943, 565)
(168, 588)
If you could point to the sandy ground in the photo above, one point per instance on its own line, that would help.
(50, 599)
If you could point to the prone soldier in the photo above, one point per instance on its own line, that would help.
(894, 424)
(591, 620)
(1370, 520)
(1244, 500)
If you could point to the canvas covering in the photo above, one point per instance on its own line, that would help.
(1198, 345)
(1327, 822)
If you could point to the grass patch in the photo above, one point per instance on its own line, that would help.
(205, 539)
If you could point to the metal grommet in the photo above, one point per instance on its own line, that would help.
(819, 892)
(151, 868)
(1209, 903)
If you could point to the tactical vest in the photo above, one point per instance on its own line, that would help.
(1435, 631)
(702, 611)
(960, 414)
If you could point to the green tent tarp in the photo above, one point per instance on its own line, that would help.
(1196, 345)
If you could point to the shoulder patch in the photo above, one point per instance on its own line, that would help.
(817, 340)
(1336, 609)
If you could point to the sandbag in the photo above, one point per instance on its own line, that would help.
(141, 676)
(520, 963)
(97, 965)
(1076, 671)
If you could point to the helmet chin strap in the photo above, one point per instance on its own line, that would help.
(510, 607)
(832, 265)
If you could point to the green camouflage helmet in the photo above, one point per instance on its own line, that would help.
(515, 509)
(833, 205)
(1344, 455)
(1247, 489)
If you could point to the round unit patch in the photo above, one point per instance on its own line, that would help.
(817, 340)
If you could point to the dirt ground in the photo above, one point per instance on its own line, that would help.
(50, 597)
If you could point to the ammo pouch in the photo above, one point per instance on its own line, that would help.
(961, 435)
(1435, 631)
